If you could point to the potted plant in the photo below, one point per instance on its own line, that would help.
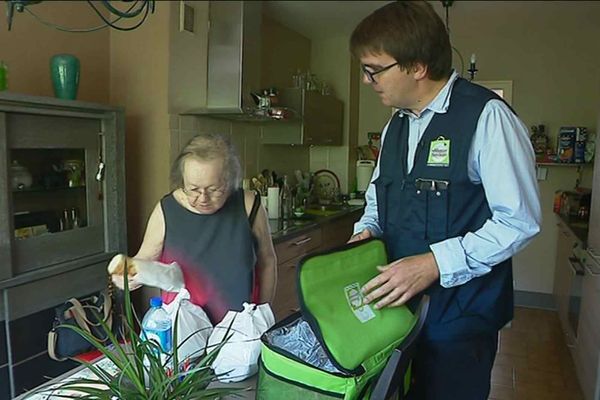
(137, 370)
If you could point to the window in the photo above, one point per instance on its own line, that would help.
(501, 88)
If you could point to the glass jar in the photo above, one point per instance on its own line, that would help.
(74, 171)
(20, 177)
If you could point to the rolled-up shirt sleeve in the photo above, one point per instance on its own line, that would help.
(502, 159)
(370, 218)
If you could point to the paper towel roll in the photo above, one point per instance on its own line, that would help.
(273, 202)
(364, 172)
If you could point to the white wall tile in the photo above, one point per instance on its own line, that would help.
(173, 121)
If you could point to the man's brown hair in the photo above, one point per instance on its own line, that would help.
(409, 31)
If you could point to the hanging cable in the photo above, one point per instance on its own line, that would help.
(139, 7)
(145, 5)
(116, 11)
(447, 5)
(75, 30)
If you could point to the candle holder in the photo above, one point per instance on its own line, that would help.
(472, 70)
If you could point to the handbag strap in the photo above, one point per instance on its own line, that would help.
(52, 337)
(254, 209)
(77, 310)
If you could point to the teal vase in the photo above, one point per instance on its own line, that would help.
(64, 69)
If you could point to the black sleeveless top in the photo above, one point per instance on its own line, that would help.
(216, 254)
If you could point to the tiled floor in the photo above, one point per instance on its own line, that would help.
(533, 361)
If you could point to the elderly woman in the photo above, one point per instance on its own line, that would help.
(215, 231)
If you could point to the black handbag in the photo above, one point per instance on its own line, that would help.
(85, 313)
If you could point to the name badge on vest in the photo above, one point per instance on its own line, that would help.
(439, 152)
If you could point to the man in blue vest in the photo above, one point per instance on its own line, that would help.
(454, 196)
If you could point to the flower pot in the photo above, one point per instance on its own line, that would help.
(64, 70)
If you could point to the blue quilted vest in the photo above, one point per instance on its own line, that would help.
(414, 213)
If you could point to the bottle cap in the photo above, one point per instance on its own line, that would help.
(155, 302)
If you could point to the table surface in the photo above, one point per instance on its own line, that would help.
(83, 372)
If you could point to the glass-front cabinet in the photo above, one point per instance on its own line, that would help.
(56, 189)
(62, 175)
(62, 218)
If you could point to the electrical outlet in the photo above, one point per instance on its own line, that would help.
(186, 17)
(542, 173)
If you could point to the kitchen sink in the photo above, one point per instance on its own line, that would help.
(325, 210)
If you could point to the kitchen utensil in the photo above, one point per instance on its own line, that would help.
(263, 101)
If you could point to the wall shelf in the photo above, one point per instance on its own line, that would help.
(555, 164)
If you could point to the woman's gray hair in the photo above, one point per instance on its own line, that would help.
(206, 147)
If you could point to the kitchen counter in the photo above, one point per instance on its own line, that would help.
(578, 227)
(282, 230)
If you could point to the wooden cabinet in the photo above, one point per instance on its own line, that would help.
(563, 275)
(71, 207)
(62, 215)
(289, 252)
(329, 234)
(594, 230)
(320, 122)
(588, 338)
(337, 232)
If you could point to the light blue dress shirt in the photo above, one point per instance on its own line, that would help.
(501, 158)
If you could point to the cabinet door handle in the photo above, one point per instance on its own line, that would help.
(576, 266)
(591, 270)
(593, 253)
(303, 241)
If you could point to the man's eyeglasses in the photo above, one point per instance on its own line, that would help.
(210, 192)
(371, 74)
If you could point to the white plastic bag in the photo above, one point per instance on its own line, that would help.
(238, 358)
(193, 326)
(167, 277)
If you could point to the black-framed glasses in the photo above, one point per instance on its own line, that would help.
(371, 75)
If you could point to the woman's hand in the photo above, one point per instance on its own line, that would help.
(119, 281)
(116, 269)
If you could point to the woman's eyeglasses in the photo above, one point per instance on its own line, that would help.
(212, 193)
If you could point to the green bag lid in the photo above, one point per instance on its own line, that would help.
(331, 302)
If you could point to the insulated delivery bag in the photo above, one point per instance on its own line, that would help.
(336, 346)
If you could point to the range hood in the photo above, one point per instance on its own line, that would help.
(234, 54)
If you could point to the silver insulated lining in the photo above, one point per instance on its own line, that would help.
(298, 339)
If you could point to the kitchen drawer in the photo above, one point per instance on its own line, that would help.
(298, 245)
(49, 292)
(590, 303)
(286, 294)
(336, 233)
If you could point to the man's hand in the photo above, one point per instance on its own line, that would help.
(360, 236)
(400, 280)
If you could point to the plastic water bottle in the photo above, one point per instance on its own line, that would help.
(157, 327)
